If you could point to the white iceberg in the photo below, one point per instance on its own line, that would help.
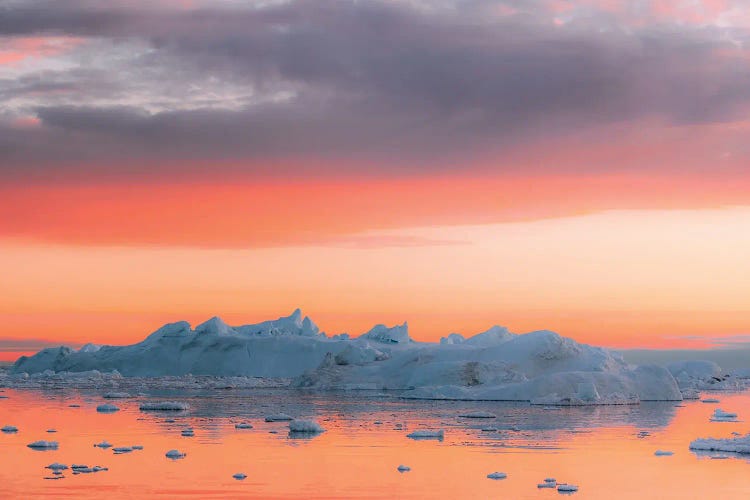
(164, 406)
(43, 445)
(107, 408)
(427, 434)
(497, 475)
(305, 426)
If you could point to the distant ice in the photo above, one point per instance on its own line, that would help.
(710, 400)
(56, 466)
(663, 453)
(119, 450)
(279, 417)
(188, 432)
(51, 431)
(103, 444)
(239, 476)
(497, 475)
(426, 434)
(175, 454)
(403, 468)
(567, 488)
(243, 425)
(549, 482)
(107, 408)
(116, 395)
(43, 445)
(305, 426)
(9, 429)
(164, 406)
(478, 414)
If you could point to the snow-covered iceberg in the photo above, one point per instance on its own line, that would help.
(739, 444)
(542, 366)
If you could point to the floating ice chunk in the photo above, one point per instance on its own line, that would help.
(43, 445)
(243, 425)
(97, 468)
(74, 406)
(547, 484)
(164, 406)
(427, 434)
(56, 466)
(710, 400)
(116, 395)
(79, 466)
(723, 416)
(107, 408)
(663, 453)
(308, 426)
(119, 450)
(137, 447)
(567, 488)
(9, 429)
(51, 430)
(497, 475)
(188, 432)
(403, 468)
(239, 476)
(175, 454)
(733, 445)
(54, 477)
(550, 480)
(279, 417)
(478, 414)
(103, 444)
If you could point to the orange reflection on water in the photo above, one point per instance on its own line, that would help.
(595, 448)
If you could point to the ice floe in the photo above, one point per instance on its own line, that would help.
(497, 475)
(403, 468)
(243, 425)
(549, 482)
(305, 426)
(107, 408)
(427, 434)
(663, 453)
(739, 444)
(56, 466)
(8, 429)
(477, 414)
(720, 415)
(43, 445)
(116, 395)
(567, 488)
(164, 406)
(279, 417)
(103, 444)
(175, 454)
(239, 476)
(188, 432)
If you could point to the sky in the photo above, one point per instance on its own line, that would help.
(573, 165)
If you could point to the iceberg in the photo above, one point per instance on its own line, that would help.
(403, 468)
(497, 475)
(175, 454)
(239, 476)
(8, 429)
(540, 367)
(43, 445)
(731, 445)
(720, 415)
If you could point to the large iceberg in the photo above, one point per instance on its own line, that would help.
(542, 366)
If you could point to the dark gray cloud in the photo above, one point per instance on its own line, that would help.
(386, 85)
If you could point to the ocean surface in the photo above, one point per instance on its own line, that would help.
(607, 451)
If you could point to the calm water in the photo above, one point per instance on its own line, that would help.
(601, 449)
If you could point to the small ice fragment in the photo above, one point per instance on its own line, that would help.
(710, 400)
(98, 468)
(188, 432)
(567, 488)
(137, 447)
(497, 475)
(164, 406)
(550, 480)
(403, 468)
(51, 430)
(119, 450)
(378, 422)
(74, 406)
(43, 445)
(79, 466)
(308, 426)
(239, 476)
(478, 414)
(663, 453)
(427, 434)
(54, 477)
(103, 444)
(243, 425)
(57, 472)
(547, 484)
(107, 408)
(723, 416)
(56, 466)
(9, 429)
(116, 395)
(279, 417)
(175, 454)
